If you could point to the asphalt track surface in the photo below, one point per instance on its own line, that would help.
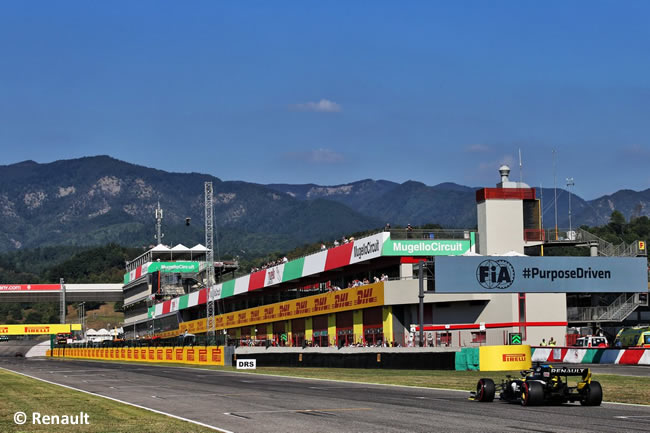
(256, 403)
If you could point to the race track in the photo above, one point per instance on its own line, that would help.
(254, 403)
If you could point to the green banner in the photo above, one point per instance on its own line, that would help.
(425, 247)
(165, 267)
(173, 267)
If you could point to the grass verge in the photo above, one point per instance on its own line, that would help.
(22, 394)
(616, 388)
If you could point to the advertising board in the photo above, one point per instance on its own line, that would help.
(425, 247)
(370, 295)
(29, 287)
(506, 274)
(46, 329)
(504, 358)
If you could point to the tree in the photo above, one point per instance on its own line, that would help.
(617, 222)
(34, 317)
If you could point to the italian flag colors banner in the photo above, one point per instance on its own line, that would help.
(359, 250)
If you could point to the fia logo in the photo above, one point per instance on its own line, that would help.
(495, 274)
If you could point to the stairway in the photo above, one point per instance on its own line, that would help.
(617, 311)
(608, 249)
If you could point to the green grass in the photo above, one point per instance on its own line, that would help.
(616, 388)
(19, 393)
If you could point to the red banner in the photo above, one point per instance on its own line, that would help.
(28, 287)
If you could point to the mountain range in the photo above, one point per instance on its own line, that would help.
(99, 199)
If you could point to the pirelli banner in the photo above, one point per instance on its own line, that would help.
(201, 355)
(506, 274)
(370, 295)
(504, 358)
(38, 329)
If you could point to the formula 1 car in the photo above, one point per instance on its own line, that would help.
(542, 385)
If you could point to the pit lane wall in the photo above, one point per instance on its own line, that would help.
(201, 355)
(572, 355)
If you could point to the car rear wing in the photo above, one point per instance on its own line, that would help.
(568, 371)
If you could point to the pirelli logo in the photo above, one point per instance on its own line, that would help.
(37, 329)
(514, 357)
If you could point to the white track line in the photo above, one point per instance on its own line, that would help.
(123, 402)
(324, 380)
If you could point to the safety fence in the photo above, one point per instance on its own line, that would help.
(570, 355)
(201, 355)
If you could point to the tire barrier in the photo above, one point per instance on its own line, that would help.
(571, 355)
(198, 355)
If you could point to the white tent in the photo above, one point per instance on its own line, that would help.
(160, 248)
(198, 250)
(180, 251)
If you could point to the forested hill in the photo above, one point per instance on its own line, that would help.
(98, 200)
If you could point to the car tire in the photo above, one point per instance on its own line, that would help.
(593, 394)
(532, 394)
(485, 390)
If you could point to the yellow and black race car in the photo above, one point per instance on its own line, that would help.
(542, 385)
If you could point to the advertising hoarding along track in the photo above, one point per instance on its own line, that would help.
(501, 274)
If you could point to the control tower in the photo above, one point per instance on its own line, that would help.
(504, 214)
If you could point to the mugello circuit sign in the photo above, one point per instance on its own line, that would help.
(29, 287)
(426, 247)
(494, 274)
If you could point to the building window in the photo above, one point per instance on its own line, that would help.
(478, 337)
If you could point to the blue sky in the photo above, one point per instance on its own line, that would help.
(333, 92)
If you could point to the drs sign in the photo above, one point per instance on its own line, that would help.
(246, 364)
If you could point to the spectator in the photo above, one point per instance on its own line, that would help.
(387, 227)
(409, 231)
(552, 342)
(322, 247)
(336, 243)
(376, 279)
(285, 260)
(543, 343)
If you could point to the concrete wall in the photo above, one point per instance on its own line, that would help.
(501, 226)
(135, 318)
(545, 307)
(406, 292)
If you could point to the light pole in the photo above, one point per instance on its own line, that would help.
(569, 183)
(555, 191)
(82, 318)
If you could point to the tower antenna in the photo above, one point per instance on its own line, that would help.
(209, 271)
(159, 217)
(555, 189)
